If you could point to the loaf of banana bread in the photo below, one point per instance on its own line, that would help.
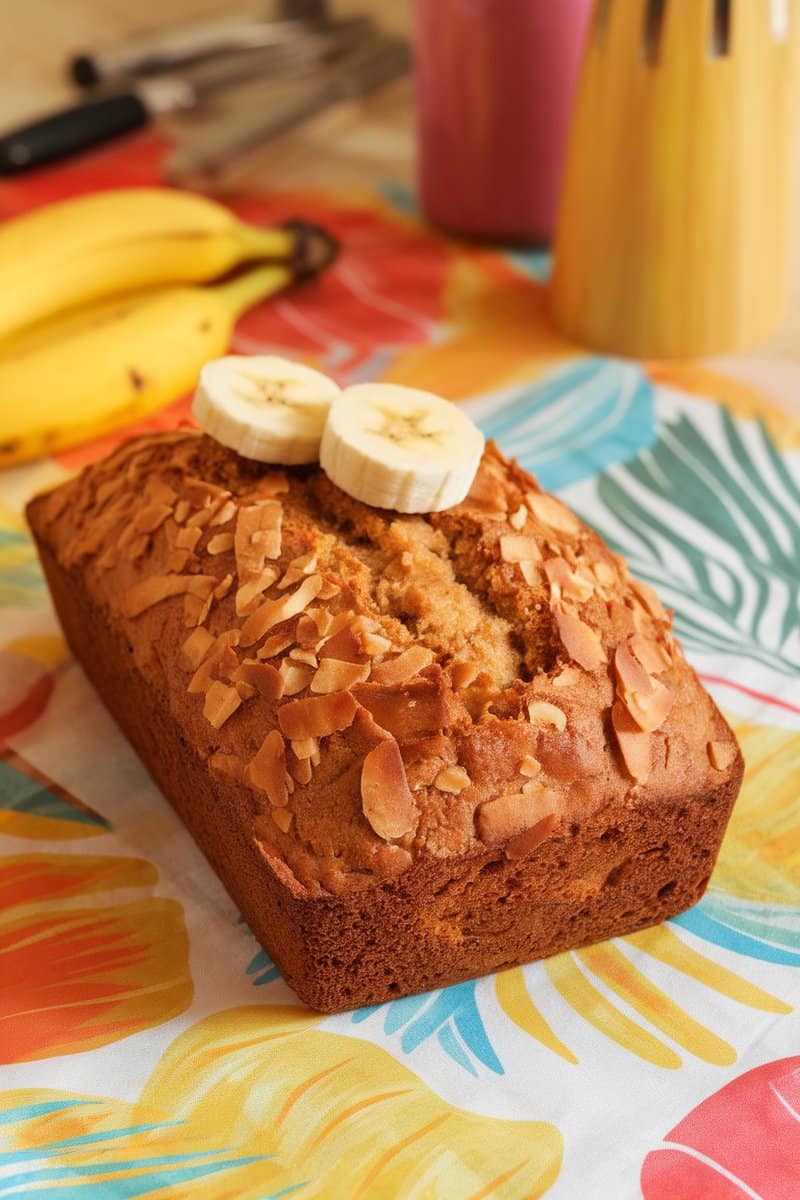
(415, 748)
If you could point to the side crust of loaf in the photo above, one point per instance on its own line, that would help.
(627, 864)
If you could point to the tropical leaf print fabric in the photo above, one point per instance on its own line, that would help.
(148, 1045)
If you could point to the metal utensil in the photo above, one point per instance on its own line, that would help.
(100, 119)
(168, 47)
(364, 70)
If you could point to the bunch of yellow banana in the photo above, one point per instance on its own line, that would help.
(103, 316)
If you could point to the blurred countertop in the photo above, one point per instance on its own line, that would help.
(357, 143)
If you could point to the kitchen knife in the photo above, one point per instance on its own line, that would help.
(100, 119)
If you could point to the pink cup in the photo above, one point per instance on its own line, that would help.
(495, 81)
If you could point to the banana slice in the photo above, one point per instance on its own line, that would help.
(264, 407)
(397, 447)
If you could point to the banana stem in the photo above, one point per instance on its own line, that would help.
(279, 244)
(246, 290)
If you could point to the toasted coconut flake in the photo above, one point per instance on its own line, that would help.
(344, 645)
(195, 610)
(530, 573)
(197, 604)
(317, 716)
(177, 560)
(335, 675)
(604, 573)
(187, 538)
(307, 563)
(200, 518)
(227, 664)
(275, 645)
(340, 621)
(272, 612)
(274, 484)
(303, 656)
(529, 766)
(307, 632)
(721, 754)
(567, 677)
(245, 690)
(248, 594)
(220, 543)
(221, 702)
(375, 644)
(295, 677)
(487, 493)
(518, 519)
(565, 582)
(201, 492)
(223, 587)
(463, 674)
(329, 589)
(519, 548)
(653, 656)
(552, 512)
(224, 513)
(650, 709)
(526, 842)
(205, 671)
(322, 618)
(633, 742)
(541, 712)
(404, 667)
(301, 770)
(182, 510)
(631, 675)
(262, 677)
(305, 747)
(283, 818)
(507, 816)
(649, 599)
(409, 710)
(291, 575)
(157, 491)
(194, 649)
(580, 641)
(267, 771)
(386, 798)
(138, 547)
(155, 588)
(257, 537)
(149, 518)
(452, 779)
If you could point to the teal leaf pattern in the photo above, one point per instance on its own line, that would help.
(23, 794)
(768, 932)
(451, 1016)
(123, 1162)
(262, 969)
(574, 421)
(710, 516)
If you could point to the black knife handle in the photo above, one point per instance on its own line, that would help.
(71, 130)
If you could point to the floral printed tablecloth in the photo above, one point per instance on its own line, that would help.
(148, 1045)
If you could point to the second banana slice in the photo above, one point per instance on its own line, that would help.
(400, 448)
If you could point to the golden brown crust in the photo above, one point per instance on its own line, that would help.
(265, 605)
(415, 749)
